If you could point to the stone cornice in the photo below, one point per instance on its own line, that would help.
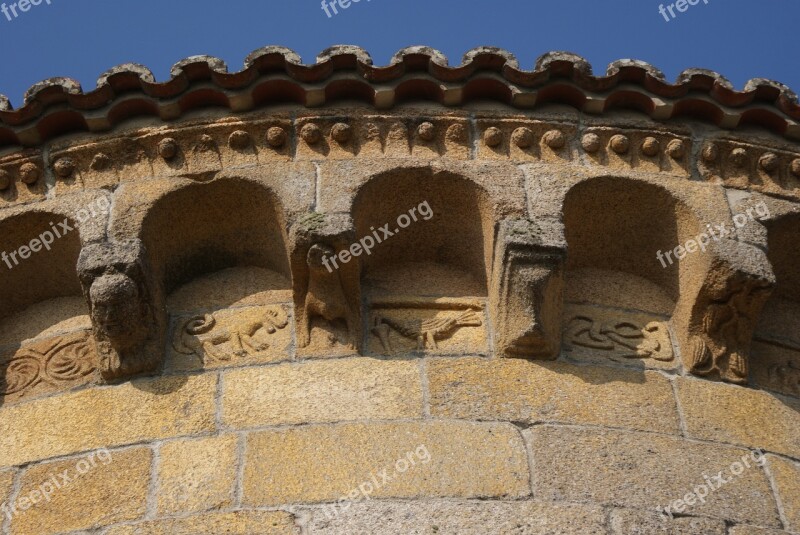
(200, 148)
(276, 75)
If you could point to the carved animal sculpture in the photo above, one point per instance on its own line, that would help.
(126, 330)
(425, 332)
(724, 338)
(201, 335)
(325, 297)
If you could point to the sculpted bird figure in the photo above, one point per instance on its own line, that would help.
(425, 332)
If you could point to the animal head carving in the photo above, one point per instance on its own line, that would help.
(114, 281)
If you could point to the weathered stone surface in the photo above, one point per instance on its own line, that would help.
(740, 416)
(321, 391)
(777, 368)
(237, 287)
(786, 475)
(196, 475)
(235, 523)
(527, 292)
(141, 410)
(104, 488)
(223, 226)
(647, 471)
(468, 518)
(631, 522)
(523, 391)
(48, 366)
(6, 482)
(231, 337)
(461, 331)
(750, 530)
(611, 336)
(325, 463)
(118, 288)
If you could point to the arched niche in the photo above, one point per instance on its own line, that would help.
(217, 244)
(447, 253)
(40, 294)
(45, 329)
(781, 316)
(219, 264)
(776, 350)
(623, 279)
(435, 270)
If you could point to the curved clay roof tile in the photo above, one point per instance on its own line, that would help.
(561, 77)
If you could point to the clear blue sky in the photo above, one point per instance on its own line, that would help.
(741, 39)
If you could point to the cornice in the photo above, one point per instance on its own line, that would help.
(274, 75)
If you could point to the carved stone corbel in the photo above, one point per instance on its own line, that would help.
(716, 329)
(527, 296)
(117, 287)
(324, 286)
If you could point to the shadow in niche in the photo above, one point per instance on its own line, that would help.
(45, 330)
(426, 285)
(776, 346)
(619, 297)
(218, 251)
(227, 233)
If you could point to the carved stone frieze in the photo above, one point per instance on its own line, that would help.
(750, 166)
(201, 148)
(786, 376)
(228, 336)
(640, 149)
(21, 178)
(316, 153)
(48, 366)
(602, 334)
(440, 325)
(776, 366)
(526, 140)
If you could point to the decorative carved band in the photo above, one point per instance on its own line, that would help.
(622, 339)
(59, 362)
(218, 337)
(425, 321)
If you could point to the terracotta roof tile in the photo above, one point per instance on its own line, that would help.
(273, 74)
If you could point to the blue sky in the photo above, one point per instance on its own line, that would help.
(741, 39)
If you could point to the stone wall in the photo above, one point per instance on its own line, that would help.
(516, 353)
